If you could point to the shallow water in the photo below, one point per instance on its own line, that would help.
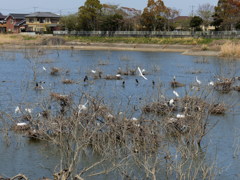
(17, 88)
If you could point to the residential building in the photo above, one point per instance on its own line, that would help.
(42, 21)
(2, 23)
(15, 23)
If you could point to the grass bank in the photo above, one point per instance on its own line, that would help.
(140, 40)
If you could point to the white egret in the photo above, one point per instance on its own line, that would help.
(82, 107)
(141, 74)
(171, 102)
(93, 71)
(180, 116)
(211, 83)
(175, 93)
(118, 75)
(21, 124)
(17, 109)
(134, 119)
(199, 82)
(28, 110)
(44, 68)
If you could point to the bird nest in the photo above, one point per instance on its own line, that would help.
(113, 77)
(160, 108)
(55, 71)
(68, 81)
(218, 109)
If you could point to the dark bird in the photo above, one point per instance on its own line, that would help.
(153, 82)
(123, 83)
(85, 79)
(136, 81)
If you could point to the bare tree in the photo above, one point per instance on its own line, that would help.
(206, 11)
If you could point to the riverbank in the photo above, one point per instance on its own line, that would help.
(187, 46)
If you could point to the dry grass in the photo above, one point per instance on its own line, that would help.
(18, 39)
(68, 81)
(230, 50)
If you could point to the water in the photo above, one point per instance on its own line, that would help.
(19, 155)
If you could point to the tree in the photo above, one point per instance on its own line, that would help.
(112, 22)
(206, 11)
(89, 15)
(69, 22)
(153, 17)
(227, 14)
(195, 22)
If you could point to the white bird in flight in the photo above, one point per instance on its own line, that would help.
(82, 107)
(175, 93)
(199, 82)
(141, 74)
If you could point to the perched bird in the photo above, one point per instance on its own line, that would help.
(28, 110)
(118, 75)
(175, 93)
(38, 86)
(199, 82)
(211, 83)
(85, 79)
(180, 116)
(141, 74)
(171, 102)
(17, 109)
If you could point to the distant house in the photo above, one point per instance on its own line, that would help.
(181, 22)
(42, 21)
(2, 23)
(15, 23)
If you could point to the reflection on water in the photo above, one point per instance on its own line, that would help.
(20, 71)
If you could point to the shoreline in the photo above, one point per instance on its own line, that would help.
(193, 50)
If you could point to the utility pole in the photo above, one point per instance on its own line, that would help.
(192, 10)
(34, 9)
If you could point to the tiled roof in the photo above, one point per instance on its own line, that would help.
(43, 14)
(2, 16)
(20, 23)
(17, 16)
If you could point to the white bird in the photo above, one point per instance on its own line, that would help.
(118, 75)
(17, 109)
(28, 110)
(82, 107)
(141, 74)
(199, 82)
(211, 83)
(134, 119)
(180, 116)
(93, 71)
(171, 102)
(44, 68)
(175, 93)
(21, 124)
(110, 115)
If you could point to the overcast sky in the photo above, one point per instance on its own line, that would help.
(71, 6)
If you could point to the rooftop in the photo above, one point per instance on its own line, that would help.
(43, 14)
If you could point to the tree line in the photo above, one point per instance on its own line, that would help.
(94, 16)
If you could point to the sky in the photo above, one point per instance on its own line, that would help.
(71, 6)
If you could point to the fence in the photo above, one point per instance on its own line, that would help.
(196, 34)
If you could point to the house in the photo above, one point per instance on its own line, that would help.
(42, 21)
(15, 23)
(2, 23)
(181, 22)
